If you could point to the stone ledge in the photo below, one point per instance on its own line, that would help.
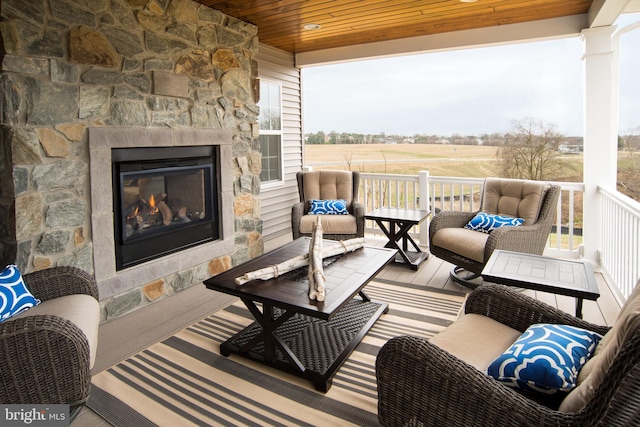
(134, 277)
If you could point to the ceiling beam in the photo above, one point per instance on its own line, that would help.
(569, 26)
(603, 13)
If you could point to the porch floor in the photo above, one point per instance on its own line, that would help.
(129, 334)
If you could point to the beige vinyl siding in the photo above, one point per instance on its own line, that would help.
(276, 200)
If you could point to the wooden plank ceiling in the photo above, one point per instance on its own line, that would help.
(351, 22)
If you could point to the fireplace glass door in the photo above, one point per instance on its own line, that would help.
(163, 204)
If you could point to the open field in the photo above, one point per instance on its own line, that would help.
(440, 160)
(380, 152)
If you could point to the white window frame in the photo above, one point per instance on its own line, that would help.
(280, 133)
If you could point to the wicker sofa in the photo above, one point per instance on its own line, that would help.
(47, 352)
(422, 384)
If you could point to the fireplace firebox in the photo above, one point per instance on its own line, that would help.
(165, 200)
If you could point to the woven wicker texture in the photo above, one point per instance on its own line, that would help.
(421, 385)
(316, 343)
(44, 358)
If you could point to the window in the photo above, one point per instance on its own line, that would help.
(270, 120)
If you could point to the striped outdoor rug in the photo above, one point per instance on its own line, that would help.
(185, 381)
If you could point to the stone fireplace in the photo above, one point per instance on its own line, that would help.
(82, 81)
(190, 264)
(165, 200)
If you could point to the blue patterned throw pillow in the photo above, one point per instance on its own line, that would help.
(14, 295)
(329, 207)
(486, 223)
(546, 358)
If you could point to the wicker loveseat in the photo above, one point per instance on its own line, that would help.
(422, 384)
(47, 352)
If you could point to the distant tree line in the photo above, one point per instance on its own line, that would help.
(494, 139)
(341, 138)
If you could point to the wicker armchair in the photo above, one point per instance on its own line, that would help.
(327, 185)
(420, 384)
(45, 358)
(470, 250)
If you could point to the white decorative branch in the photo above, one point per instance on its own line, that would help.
(316, 271)
(272, 271)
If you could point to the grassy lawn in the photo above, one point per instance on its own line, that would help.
(380, 152)
(440, 160)
(564, 241)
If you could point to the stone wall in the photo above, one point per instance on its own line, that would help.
(71, 65)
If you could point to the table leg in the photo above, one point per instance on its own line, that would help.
(407, 238)
(393, 237)
(267, 319)
(404, 231)
(397, 231)
(389, 232)
(579, 308)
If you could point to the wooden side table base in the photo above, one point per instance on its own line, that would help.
(400, 222)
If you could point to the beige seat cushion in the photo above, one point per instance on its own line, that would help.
(83, 310)
(476, 339)
(513, 197)
(462, 241)
(331, 224)
(328, 185)
(594, 371)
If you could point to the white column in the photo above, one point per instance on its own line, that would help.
(600, 130)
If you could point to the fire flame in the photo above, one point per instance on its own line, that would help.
(152, 203)
(133, 214)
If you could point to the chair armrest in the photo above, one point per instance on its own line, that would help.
(60, 281)
(449, 219)
(44, 359)
(529, 239)
(358, 212)
(519, 311)
(420, 384)
(357, 209)
(297, 210)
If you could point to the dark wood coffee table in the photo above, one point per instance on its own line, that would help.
(558, 276)
(400, 222)
(293, 333)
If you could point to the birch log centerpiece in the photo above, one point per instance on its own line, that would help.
(273, 271)
(316, 272)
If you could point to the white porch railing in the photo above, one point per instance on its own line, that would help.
(620, 252)
(453, 193)
(389, 190)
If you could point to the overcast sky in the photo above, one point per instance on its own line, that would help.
(469, 92)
